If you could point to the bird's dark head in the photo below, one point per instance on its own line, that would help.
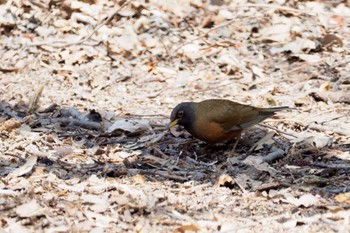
(183, 114)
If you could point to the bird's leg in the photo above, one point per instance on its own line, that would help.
(233, 151)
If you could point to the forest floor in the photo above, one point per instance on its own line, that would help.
(87, 88)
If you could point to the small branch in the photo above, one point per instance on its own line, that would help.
(336, 166)
(8, 70)
(240, 186)
(35, 101)
(163, 174)
(72, 122)
(277, 130)
(341, 190)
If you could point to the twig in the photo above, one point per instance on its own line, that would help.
(337, 191)
(336, 166)
(165, 47)
(159, 173)
(171, 176)
(268, 186)
(73, 122)
(160, 152)
(8, 70)
(275, 129)
(146, 115)
(190, 160)
(59, 44)
(34, 104)
(240, 186)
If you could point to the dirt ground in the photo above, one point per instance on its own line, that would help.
(87, 88)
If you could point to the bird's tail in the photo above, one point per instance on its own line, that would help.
(276, 109)
(272, 111)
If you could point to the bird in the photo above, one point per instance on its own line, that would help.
(218, 120)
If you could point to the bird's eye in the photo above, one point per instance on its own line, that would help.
(180, 114)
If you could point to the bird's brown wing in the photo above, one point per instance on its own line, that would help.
(234, 116)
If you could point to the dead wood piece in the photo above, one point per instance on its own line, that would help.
(8, 70)
(159, 151)
(71, 122)
(268, 186)
(277, 154)
(51, 108)
(164, 174)
(337, 191)
(277, 130)
(336, 166)
(193, 161)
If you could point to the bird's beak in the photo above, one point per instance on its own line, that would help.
(172, 124)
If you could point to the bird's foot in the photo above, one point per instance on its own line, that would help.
(233, 151)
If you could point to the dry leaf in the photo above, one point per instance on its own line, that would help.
(131, 126)
(309, 58)
(258, 163)
(298, 46)
(266, 140)
(335, 97)
(9, 125)
(30, 209)
(128, 40)
(224, 180)
(305, 200)
(319, 140)
(186, 228)
(279, 31)
(192, 51)
(27, 167)
(343, 198)
(138, 179)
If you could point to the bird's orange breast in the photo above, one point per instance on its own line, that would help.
(212, 132)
